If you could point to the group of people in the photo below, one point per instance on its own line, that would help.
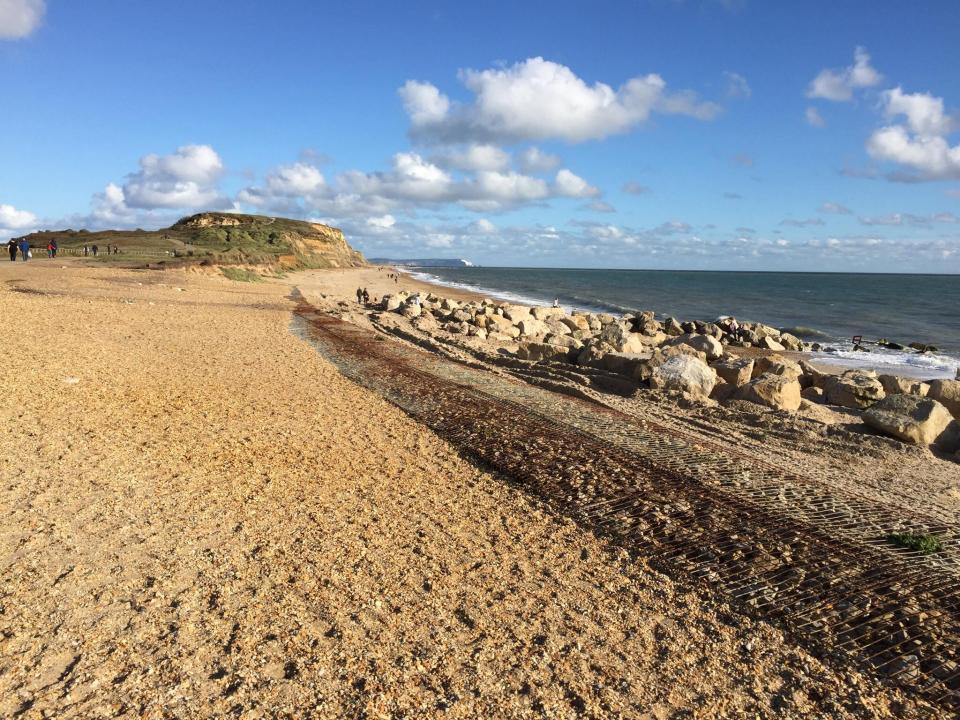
(363, 297)
(22, 245)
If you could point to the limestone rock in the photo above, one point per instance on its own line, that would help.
(629, 365)
(391, 302)
(813, 394)
(770, 344)
(777, 365)
(530, 327)
(683, 373)
(853, 390)
(672, 327)
(706, 344)
(411, 310)
(735, 371)
(791, 342)
(563, 341)
(576, 322)
(723, 390)
(544, 313)
(895, 385)
(780, 392)
(541, 351)
(516, 313)
(557, 327)
(911, 418)
(947, 392)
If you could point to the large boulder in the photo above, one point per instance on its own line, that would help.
(566, 341)
(392, 302)
(557, 327)
(911, 418)
(734, 370)
(630, 365)
(544, 313)
(896, 385)
(684, 373)
(791, 342)
(497, 323)
(853, 389)
(780, 392)
(706, 344)
(516, 313)
(411, 310)
(777, 365)
(672, 327)
(530, 327)
(947, 392)
(769, 343)
(542, 351)
(576, 322)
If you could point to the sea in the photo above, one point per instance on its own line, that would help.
(828, 308)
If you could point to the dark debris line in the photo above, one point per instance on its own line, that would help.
(782, 548)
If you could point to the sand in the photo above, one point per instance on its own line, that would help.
(199, 517)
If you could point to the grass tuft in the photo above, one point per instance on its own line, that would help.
(918, 542)
(240, 274)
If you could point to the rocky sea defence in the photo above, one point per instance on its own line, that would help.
(696, 362)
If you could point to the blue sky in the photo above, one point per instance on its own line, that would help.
(732, 134)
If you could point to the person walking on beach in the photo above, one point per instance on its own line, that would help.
(366, 297)
(94, 248)
(24, 250)
(86, 250)
(12, 248)
(359, 295)
(54, 247)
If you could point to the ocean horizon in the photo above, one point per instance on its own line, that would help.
(826, 307)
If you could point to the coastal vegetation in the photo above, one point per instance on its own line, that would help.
(214, 237)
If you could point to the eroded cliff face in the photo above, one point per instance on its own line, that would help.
(294, 242)
(324, 247)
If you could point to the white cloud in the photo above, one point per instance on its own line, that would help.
(16, 222)
(599, 206)
(924, 112)
(533, 159)
(896, 219)
(838, 85)
(537, 99)
(952, 192)
(184, 179)
(737, 86)
(835, 209)
(19, 18)
(384, 222)
(569, 185)
(808, 222)
(423, 102)
(932, 157)
(475, 157)
(814, 117)
(14, 219)
(296, 179)
(483, 227)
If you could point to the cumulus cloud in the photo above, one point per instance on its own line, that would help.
(814, 117)
(533, 160)
(569, 185)
(839, 85)
(917, 140)
(537, 99)
(599, 206)
(909, 219)
(475, 157)
(19, 18)
(413, 181)
(14, 221)
(186, 178)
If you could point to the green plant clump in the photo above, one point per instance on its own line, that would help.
(917, 542)
(240, 274)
